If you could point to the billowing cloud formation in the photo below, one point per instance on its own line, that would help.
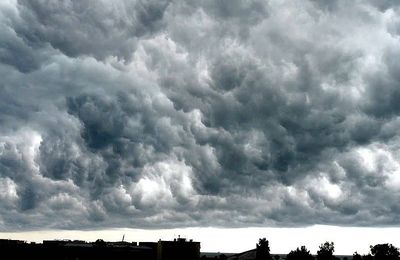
(178, 113)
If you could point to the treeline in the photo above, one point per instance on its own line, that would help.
(326, 252)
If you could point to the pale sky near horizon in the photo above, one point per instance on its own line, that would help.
(347, 239)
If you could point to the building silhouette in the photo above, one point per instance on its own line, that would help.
(179, 249)
(247, 255)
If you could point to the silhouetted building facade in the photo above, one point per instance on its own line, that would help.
(153, 246)
(179, 249)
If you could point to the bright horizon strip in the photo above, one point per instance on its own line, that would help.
(233, 240)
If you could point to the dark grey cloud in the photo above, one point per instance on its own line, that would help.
(174, 113)
(101, 24)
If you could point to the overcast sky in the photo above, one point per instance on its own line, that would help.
(172, 114)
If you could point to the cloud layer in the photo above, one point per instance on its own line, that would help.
(212, 113)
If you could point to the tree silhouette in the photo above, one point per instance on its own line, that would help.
(357, 256)
(100, 243)
(325, 251)
(385, 252)
(300, 254)
(368, 257)
(262, 250)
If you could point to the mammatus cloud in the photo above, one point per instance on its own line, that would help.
(222, 113)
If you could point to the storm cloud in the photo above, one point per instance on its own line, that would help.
(208, 113)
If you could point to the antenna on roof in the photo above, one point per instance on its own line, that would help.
(123, 238)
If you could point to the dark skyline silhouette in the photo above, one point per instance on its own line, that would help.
(178, 249)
